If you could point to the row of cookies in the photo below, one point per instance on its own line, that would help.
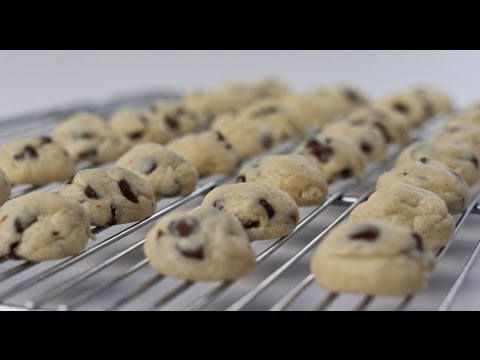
(388, 245)
(264, 202)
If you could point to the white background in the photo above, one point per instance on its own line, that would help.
(38, 79)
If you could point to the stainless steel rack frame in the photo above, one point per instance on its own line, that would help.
(113, 274)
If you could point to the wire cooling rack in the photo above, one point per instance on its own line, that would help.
(113, 274)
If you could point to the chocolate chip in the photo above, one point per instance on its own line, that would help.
(21, 227)
(384, 131)
(28, 152)
(269, 110)
(197, 254)
(268, 208)
(366, 147)
(88, 154)
(91, 194)
(11, 252)
(424, 160)
(352, 96)
(228, 146)
(136, 135)
(127, 191)
(241, 179)
(113, 220)
(474, 160)
(267, 141)
(160, 233)
(69, 182)
(405, 174)
(250, 224)
(418, 242)
(45, 140)
(220, 136)
(322, 152)
(183, 227)
(218, 204)
(401, 107)
(294, 218)
(148, 165)
(55, 233)
(346, 173)
(172, 122)
(370, 233)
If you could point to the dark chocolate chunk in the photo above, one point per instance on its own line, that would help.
(370, 233)
(172, 122)
(11, 252)
(474, 160)
(366, 147)
(127, 191)
(424, 160)
(241, 179)
(45, 140)
(268, 208)
(322, 152)
(20, 226)
(88, 154)
(418, 242)
(218, 204)
(113, 220)
(269, 110)
(294, 217)
(267, 141)
(228, 146)
(55, 233)
(160, 233)
(352, 96)
(183, 227)
(197, 254)
(91, 194)
(136, 135)
(250, 224)
(346, 173)
(28, 152)
(401, 107)
(220, 136)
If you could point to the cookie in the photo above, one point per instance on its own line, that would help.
(264, 212)
(351, 96)
(434, 176)
(249, 138)
(276, 115)
(456, 155)
(5, 188)
(441, 101)
(87, 138)
(293, 174)
(111, 196)
(468, 134)
(368, 140)
(469, 118)
(141, 127)
(42, 226)
(374, 258)
(269, 88)
(35, 161)
(420, 210)
(210, 104)
(332, 101)
(409, 105)
(179, 119)
(208, 151)
(169, 174)
(335, 156)
(392, 125)
(202, 245)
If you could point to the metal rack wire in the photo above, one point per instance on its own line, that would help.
(112, 274)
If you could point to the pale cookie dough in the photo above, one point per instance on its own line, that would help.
(264, 212)
(110, 197)
(141, 127)
(269, 88)
(456, 155)
(434, 176)
(333, 102)
(351, 96)
(469, 118)
(179, 119)
(374, 258)
(420, 210)
(273, 113)
(35, 161)
(392, 125)
(409, 105)
(169, 174)
(211, 104)
(202, 245)
(335, 156)
(441, 101)
(293, 174)
(470, 135)
(42, 226)
(249, 138)
(368, 139)
(5, 188)
(87, 138)
(208, 151)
